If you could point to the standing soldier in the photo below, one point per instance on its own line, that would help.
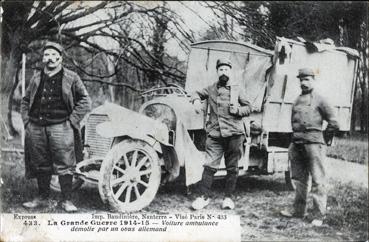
(225, 132)
(307, 150)
(55, 102)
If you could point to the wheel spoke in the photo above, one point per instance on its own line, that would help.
(142, 162)
(143, 183)
(145, 172)
(120, 190)
(119, 169)
(134, 158)
(128, 194)
(136, 191)
(126, 160)
(117, 181)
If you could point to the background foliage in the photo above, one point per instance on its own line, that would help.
(135, 57)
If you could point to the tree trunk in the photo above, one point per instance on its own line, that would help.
(353, 110)
(10, 104)
(363, 104)
(9, 84)
(363, 119)
(364, 92)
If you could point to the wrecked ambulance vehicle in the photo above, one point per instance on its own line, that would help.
(129, 154)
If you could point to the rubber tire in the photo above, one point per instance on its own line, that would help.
(107, 168)
(54, 183)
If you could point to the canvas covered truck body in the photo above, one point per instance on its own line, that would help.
(129, 154)
(269, 78)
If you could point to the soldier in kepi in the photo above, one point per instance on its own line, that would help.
(54, 104)
(225, 132)
(307, 150)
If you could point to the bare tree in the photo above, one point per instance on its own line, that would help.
(363, 78)
(27, 23)
(241, 20)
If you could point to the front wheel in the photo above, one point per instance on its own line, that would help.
(129, 176)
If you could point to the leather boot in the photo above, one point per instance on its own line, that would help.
(300, 199)
(66, 182)
(43, 183)
(36, 203)
(207, 181)
(231, 182)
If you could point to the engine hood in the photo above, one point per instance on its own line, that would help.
(127, 122)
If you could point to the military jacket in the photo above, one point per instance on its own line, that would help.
(221, 122)
(308, 112)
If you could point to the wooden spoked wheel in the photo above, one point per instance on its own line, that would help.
(129, 176)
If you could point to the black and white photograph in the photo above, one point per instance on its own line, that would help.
(184, 121)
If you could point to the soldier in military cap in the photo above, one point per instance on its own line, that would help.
(225, 132)
(307, 150)
(55, 102)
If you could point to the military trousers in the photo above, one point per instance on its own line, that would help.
(51, 148)
(307, 161)
(232, 149)
(52, 152)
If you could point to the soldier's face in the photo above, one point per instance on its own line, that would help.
(224, 70)
(306, 83)
(52, 58)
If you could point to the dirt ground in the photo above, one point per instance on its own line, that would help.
(258, 202)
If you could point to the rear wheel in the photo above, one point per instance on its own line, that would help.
(129, 176)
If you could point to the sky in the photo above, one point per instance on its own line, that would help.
(186, 10)
(194, 16)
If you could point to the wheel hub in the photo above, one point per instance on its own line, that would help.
(133, 175)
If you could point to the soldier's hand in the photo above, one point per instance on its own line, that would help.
(233, 109)
(255, 109)
(197, 105)
(328, 137)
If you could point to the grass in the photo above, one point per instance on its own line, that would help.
(348, 202)
(257, 197)
(349, 208)
(353, 148)
(16, 189)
